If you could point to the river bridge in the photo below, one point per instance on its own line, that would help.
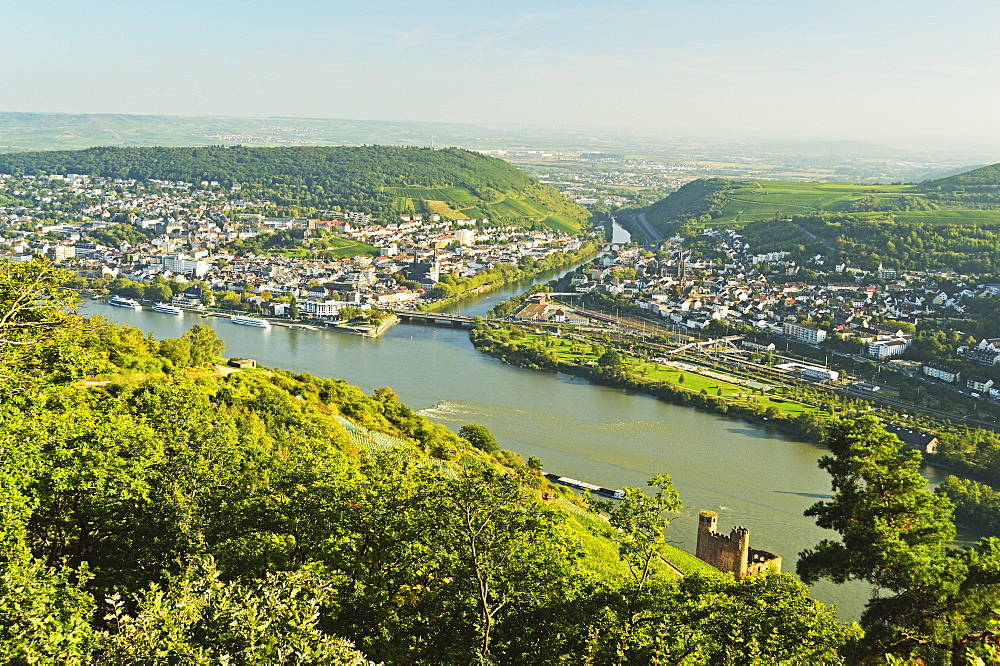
(436, 318)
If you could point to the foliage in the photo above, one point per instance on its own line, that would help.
(114, 235)
(976, 504)
(243, 518)
(929, 601)
(479, 437)
(32, 305)
(202, 619)
(312, 179)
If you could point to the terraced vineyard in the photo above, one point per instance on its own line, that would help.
(728, 203)
(455, 203)
(760, 200)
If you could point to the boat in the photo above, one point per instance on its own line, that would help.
(166, 308)
(251, 321)
(122, 302)
(583, 485)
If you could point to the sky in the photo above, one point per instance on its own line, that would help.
(797, 68)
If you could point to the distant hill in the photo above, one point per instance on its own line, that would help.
(947, 223)
(380, 180)
(979, 188)
(66, 131)
(707, 201)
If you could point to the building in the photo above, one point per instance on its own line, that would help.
(915, 440)
(731, 553)
(184, 265)
(980, 384)
(944, 374)
(886, 348)
(813, 336)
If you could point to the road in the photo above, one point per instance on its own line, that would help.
(651, 234)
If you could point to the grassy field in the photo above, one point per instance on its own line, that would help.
(712, 382)
(760, 200)
(340, 247)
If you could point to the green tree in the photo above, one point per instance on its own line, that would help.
(202, 619)
(293, 307)
(510, 553)
(480, 437)
(205, 345)
(33, 308)
(610, 359)
(929, 602)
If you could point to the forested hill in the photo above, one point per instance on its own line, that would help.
(979, 188)
(971, 198)
(379, 180)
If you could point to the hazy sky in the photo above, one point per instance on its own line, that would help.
(817, 67)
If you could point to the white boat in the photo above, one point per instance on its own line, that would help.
(166, 308)
(122, 302)
(251, 321)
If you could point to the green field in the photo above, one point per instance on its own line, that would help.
(761, 200)
(454, 203)
(583, 353)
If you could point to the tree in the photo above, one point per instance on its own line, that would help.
(480, 437)
(640, 522)
(33, 307)
(510, 551)
(929, 602)
(293, 307)
(205, 345)
(610, 359)
(201, 619)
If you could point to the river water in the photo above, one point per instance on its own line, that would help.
(750, 475)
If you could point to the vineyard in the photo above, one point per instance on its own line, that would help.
(455, 203)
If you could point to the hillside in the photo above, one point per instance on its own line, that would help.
(970, 197)
(736, 202)
(979, 188)
(154, 509)
(379, 180)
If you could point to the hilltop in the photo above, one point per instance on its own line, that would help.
(963, 197)
(382, 181)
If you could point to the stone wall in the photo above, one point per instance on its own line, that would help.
(731, 553)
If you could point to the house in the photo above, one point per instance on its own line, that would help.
(914, 439)
(887, 348)
(192, 298)
(979, 384)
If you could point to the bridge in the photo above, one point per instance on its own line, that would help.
(434, 317)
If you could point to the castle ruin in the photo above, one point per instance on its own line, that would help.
(732, 553)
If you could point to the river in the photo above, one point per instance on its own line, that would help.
(752, 476)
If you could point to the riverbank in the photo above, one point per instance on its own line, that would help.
(552, 262)
(739, 402)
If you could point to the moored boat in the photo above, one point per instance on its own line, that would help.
(583, 485)
(250, 321)
(166, 308)
(122, 302)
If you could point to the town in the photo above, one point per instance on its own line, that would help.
(201, 244)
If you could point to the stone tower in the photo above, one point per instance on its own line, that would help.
(731, 553)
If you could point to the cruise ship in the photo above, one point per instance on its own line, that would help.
(166, 308)
(121, 302)
(251, 321)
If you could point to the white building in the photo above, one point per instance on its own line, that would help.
(186, 265)
(804, 333)
(887, 348)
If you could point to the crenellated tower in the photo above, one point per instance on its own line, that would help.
(732, 552)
